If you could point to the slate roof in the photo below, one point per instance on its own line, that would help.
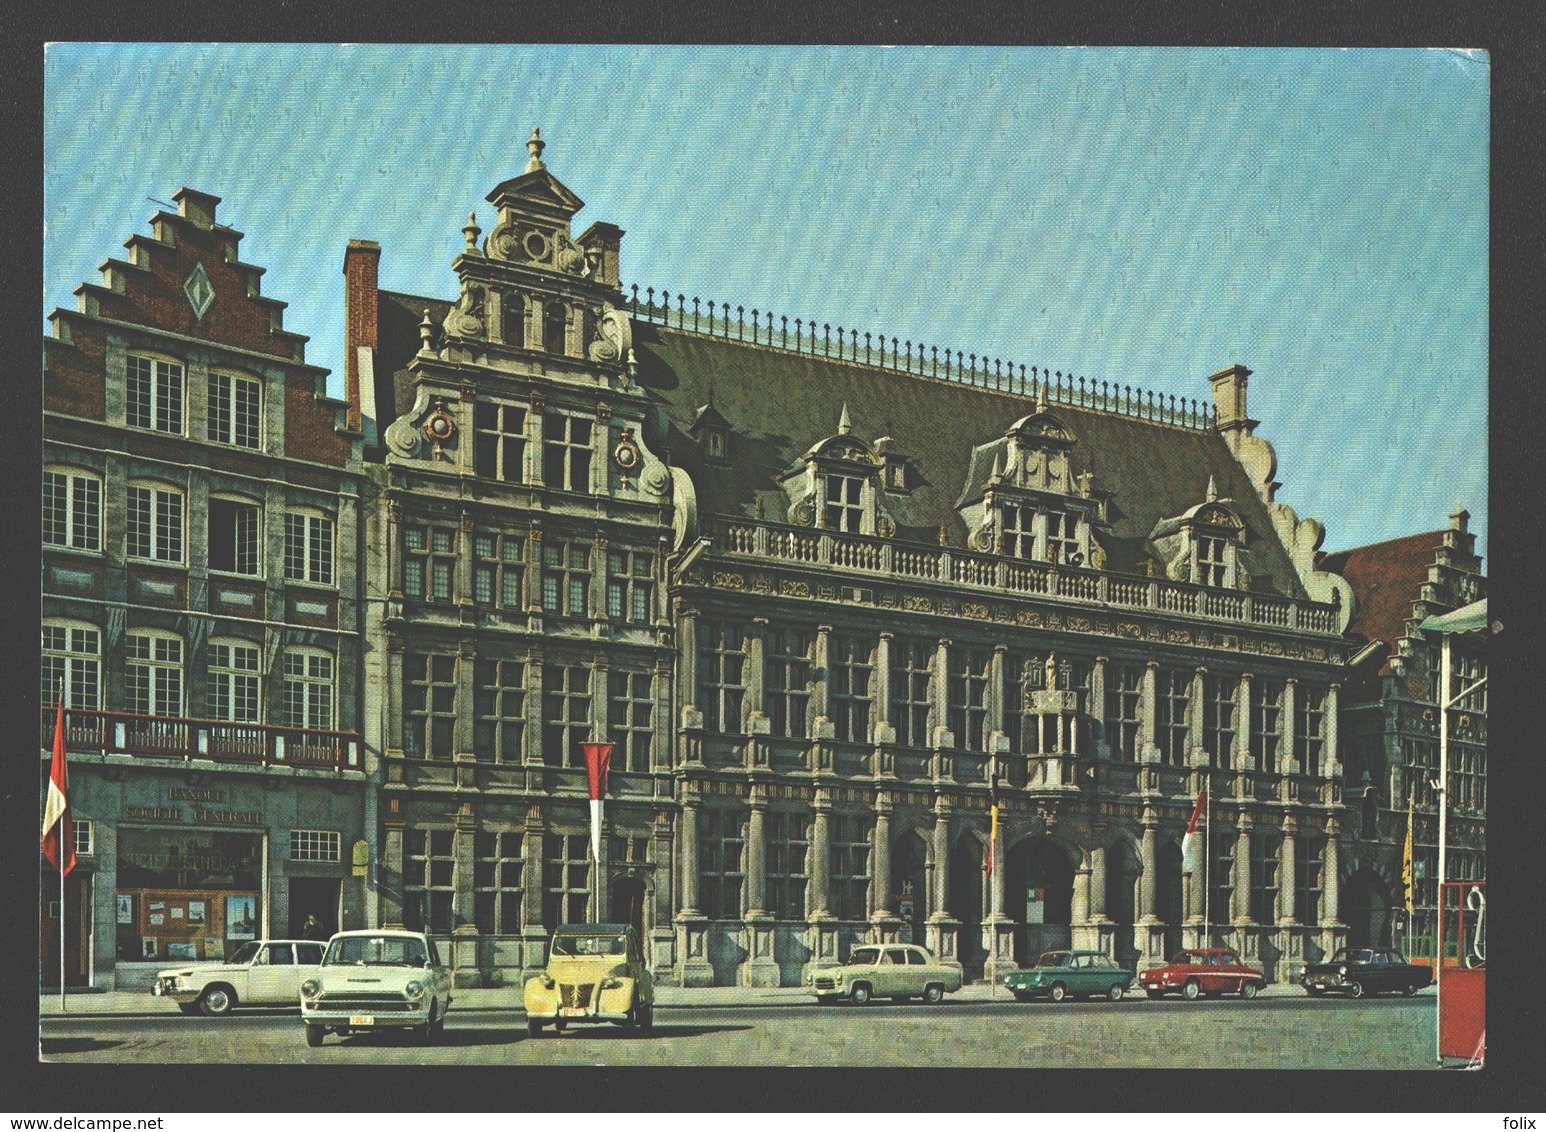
(779, 403)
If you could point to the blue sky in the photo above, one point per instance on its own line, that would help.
(1143, 216)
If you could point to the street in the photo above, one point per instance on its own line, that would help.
(1282, 1030)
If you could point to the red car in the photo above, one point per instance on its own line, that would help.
(1203, 970)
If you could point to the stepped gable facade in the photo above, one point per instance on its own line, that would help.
(825, 600)
(200, 610)
(1391, 725)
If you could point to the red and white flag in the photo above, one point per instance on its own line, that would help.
(58, 836)
(598, 760)
(1191, 844)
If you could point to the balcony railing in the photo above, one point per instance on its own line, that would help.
(162, 736)
(862, 554)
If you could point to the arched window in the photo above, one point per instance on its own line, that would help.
(235, 681)
(236, 410)
(72, 658)
(72, 509)
(155, 522)
(309, 547)
(153, 672)
(308, 688)
(153, 393)
(555, 327)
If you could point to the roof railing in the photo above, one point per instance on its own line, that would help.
(737, 324)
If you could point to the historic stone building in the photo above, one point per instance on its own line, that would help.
(827, 593)
(1391, 720)
(200, 611)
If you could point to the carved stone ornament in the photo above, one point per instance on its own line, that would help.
(501, 243)
(403, 439)
(567, 257)
(439, 425)
(626, 454)
(803, 513)
(614, 337)
(465, 319)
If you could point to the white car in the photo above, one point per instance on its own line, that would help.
(266, 972)
(377, 979)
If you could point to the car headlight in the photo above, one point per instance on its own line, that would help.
(310, 988)
(414, 989)
(546, 980)
(611, 982)
(1342, 972)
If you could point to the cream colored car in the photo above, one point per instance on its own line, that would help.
(595, 973)
(261, 972)
(377, 980)
(898, 971)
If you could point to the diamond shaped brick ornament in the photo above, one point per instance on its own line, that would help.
(200, 292)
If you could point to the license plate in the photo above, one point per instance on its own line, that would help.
(362, 1019)
(573, 1011)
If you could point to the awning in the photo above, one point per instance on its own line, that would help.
(1466, 619)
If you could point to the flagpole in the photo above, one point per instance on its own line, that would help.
(63, 857)
(1207, 859)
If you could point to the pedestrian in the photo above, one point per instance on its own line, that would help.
(312, 929)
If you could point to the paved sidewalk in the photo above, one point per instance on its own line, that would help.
(115, 1003)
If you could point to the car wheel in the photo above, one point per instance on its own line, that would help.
(217, 1000)
(559, 1026)
(188, 1007)
(1409, 990)
(314, 1036)
(1154, 993)
(933, 994)
(1058, 992)
(533, 1028)
(426, 1029)
(1191, 989)
(1115, 993)
(1356, 990)
(859, 995)
(1021, 996)
(1248, 990)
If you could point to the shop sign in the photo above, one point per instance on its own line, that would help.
(361, 858)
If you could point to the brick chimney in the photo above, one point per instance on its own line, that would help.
(361, 261)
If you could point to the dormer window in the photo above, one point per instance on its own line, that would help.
(714, 444)
(844, 506)
(1212, 560)
(1062, 543)
(1019, 533)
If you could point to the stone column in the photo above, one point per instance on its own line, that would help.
(1245, 758)
(1194, 720)
(687, 658)
(1149, 881)
(1287, 865)
(1288, 759)
(881, 874)
(756, 853)
(941, 929)
(1148, 732)
(462, 748)
(1098, 876)
(687, 853)
(464, 931)
(761, 967)
(821, 694)
(1240, 900)
(821, 851)
(1331, 895)
(1330, 715)
(1097, 704)
(533, 931)
(393, 695)
(755, 677)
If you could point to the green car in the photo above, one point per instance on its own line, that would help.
(1058, 974)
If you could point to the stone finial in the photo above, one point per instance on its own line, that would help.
(998, 466)
(1041, 396)
(844, 425)
(534, 145)
(1213, 491)
(426, 332)
(471, 231)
